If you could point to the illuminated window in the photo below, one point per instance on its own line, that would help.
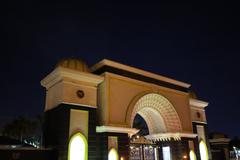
(166, 153)
(203, 150)
(78, 147)
(192, 155)
(113, 154)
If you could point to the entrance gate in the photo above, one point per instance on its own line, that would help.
(142, 149)
(143, 152)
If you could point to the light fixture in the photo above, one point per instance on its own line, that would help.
(113, 154)
(77, 149)
(203, 150)
(192, 155)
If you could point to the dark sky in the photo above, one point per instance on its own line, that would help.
(195, 42)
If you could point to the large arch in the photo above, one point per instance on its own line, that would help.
(158, 112)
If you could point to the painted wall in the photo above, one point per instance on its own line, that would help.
(119, 93)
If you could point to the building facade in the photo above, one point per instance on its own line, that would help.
(90, 114)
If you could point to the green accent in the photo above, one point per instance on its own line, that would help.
(78, 134)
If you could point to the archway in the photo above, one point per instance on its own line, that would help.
(160, 117)
(78, 147)
(158, 112)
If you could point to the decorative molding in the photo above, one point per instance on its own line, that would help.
(168, 136)
(200, 122)
(163, 116)
(79, 104)
(130, 131)
(106, 62)
(141, 140)
(220, 140)
(60, 74)
(198, 103)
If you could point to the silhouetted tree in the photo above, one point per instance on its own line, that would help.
(20, 128)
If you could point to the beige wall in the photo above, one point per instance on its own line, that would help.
(66, 92)
(194, 111)
(78, 122)
(121, 92)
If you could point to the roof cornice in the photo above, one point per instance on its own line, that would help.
(106, 62)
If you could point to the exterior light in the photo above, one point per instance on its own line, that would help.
(192, 155)
(113, 154)
(137, 136)
(203, 150)
(78, 149)
(184, 157)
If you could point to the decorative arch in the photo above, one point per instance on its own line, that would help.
(78, 147)
(157, 111)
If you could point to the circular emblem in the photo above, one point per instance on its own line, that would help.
(80, 93)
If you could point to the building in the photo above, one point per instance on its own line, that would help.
(219, 144)
(90, 114)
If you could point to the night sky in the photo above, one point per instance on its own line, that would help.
(195, 42)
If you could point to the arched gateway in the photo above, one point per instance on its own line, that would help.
(101, 104)
(158, 112)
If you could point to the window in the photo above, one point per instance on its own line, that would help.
(113, 154)
(166, 153)
(192, 155)
(203, 150)
(78, 147)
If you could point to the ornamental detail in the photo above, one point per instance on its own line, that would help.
(158, 113)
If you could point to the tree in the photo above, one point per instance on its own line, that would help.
(20, 128)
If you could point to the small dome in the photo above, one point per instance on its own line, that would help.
(73, 63)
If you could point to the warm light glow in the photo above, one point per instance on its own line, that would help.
(166, 153)
(112, 154)
(192, 155)
(184, 157)
(203, 150)
(77, 147)
(122, 158)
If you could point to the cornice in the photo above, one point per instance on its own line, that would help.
(130, 131)
(198, 103)
(60, 74)
(168, 136)
(106, 62)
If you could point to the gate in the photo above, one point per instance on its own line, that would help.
(142, 149)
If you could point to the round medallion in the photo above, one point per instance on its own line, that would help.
(80, 93)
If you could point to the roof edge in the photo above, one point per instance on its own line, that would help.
(106, 62)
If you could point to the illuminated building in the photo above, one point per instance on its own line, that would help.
(95, 108)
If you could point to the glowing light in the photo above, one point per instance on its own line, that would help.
(166, 153)
(203, 150)
(78, 148)
(112, 154)
(192, 155)
(184, 157)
